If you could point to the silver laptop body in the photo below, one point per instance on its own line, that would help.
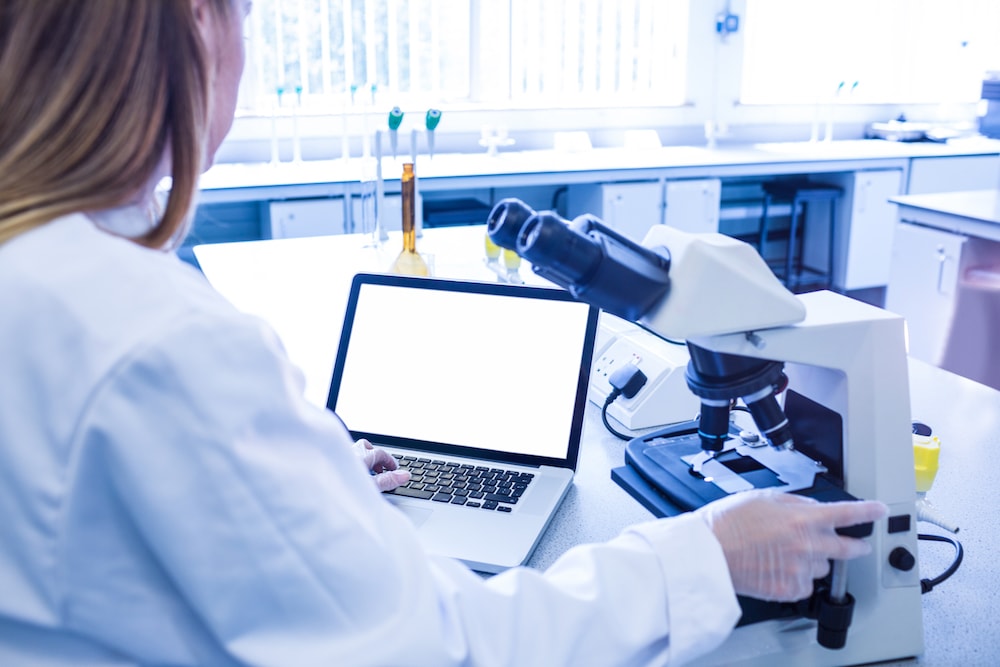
(471, 374)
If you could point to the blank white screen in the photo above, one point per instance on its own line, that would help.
(477, 370)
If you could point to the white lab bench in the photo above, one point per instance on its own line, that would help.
(300, 286)
(461, 171)
(870, 171)
(940, 242)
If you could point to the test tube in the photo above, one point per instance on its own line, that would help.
(381, 234)
(408, 194)
(413, 159)
(296, 137)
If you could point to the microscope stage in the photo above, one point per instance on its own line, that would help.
(668, 472)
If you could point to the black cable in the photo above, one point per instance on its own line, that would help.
(555, 197)
(672, 341)
(615, 393)
(626, 381)
(927, 585)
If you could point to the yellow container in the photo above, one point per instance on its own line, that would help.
(926, 450)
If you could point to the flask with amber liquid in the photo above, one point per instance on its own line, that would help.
(409, 261)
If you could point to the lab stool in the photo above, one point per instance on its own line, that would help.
(800, 194)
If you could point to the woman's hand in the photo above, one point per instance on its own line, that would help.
(776, 544)
(382, 466)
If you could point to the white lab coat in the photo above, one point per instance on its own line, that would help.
(167, 496)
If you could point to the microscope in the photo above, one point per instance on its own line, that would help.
(824, 379)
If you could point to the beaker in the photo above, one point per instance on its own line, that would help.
(367, 222)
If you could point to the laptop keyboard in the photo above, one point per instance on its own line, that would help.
(478, 487)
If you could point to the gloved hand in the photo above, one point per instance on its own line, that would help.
(382, 465)
(777, 543)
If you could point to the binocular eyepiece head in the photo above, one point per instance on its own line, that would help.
(599, 265)
(593, 262)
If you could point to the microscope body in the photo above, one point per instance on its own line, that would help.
(840, 363)
(850, 358)
(845, 360)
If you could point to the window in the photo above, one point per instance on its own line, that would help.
(580, 52)
(609, 65)
(868, 51)
(528, 53)
(332, 52)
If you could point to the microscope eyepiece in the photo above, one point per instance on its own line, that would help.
(568, 257)
(529, 233)
(593, 262)
(506, 221)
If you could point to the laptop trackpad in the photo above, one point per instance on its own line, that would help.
(416, 515)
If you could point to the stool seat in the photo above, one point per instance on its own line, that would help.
(800, 193)
(788, 190)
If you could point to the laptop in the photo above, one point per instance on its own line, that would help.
(479, 389)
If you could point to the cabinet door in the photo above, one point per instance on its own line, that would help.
(923, 280)
(307, 217)
(693, 205)
(867, 235)
(628, 208)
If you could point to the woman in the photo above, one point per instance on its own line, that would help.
(169, 497)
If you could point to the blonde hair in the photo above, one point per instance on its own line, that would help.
(95, 92)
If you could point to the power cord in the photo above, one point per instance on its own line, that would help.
(626, 381)
(927, 585)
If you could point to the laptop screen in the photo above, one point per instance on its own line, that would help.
(465, 368)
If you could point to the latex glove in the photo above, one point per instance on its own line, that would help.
(777, 543)
(382, 465)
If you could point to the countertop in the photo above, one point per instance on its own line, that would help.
(970, 212)
(282, 281)
(976, 205)
(585, 164)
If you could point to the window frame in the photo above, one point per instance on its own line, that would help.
(711, 107)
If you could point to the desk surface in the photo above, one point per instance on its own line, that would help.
(259, 277)
(970, 213)
(979, 205)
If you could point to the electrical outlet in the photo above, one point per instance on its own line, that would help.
(664, 399)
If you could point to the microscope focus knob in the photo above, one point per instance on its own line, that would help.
(901, 559)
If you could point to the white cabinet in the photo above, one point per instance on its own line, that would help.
(945, 280)
(296, 218)
(693, 205)
(307, 217)
(947, 286)
(628, 208)
(924, 275)
(863, 239)
(632, 208)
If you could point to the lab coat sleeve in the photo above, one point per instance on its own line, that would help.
(279, 550)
